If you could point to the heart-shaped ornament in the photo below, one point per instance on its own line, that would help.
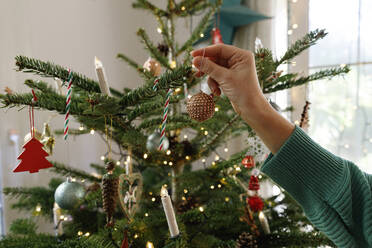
(130, 191)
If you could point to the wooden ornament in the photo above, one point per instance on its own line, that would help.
(200, 107)
(130, 191)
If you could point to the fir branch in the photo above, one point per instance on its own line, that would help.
(50, 101)
(328, 73)
(203, 24)
(157, 121)
(214, 139)
(300, 45)
(153, 49)
(39, 85)
(133, 64)
(48, 69)
(144, 4)
(144, 108)
(189, 7)
(69, 171)
(170, 79)
(71, 131)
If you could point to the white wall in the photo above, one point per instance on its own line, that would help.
(69, 33)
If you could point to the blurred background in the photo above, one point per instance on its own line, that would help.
(71, 33)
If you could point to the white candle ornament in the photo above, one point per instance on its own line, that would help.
(169, 212)
(264, 222)
(103, 84)
(57, 213)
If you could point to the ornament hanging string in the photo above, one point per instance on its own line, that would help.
(68, 104)
(165, 116)
(31, 114)
(108, 137)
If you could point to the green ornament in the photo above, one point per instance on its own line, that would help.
(69, 194)
(153, 142)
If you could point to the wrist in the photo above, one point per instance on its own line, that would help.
(254, 111)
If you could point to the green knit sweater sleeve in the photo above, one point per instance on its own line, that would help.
(334, 193)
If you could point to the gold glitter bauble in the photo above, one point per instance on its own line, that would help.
(153, 66)
(200, 107)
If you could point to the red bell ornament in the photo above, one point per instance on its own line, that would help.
(216, 36)
(248, 162)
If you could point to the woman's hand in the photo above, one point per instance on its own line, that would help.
(233, 71)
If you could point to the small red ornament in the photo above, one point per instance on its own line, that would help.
(216, 36)
(248, 162)
(253, 183)
(255, 203)
(125, 244)
(33, 157)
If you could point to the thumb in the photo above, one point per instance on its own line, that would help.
(207, 66)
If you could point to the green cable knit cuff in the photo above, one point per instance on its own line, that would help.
(306, 170)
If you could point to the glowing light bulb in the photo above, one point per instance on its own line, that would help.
(294, 26)
(187, 157)
(80, 233)
(217, 158)
(185, 191)
(212, 187)
(226, 149)
(102, 157)
(38, 208)
(135, 236)
(170, 163)
(227, 199)
(290, 32)
(205, 132)
(87, 234)
(201, 209)
(203, 160)
(149, 244)
(153, 199)
(173, 64)
(201, 35)
(117, 162)
(183, 8)
(216, 109)
(146, 214)
(92, 131)
(169, 152)
(165, 162)
(159, 30)
(145, 156)
(185, 136)
(219, 185)
(81, 128)
(61, 217)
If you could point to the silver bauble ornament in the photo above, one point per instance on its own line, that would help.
(153, 142)
(69, 194)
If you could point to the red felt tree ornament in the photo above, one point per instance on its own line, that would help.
(33, 157)
(248, 162)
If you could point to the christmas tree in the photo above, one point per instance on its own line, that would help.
(211, 207)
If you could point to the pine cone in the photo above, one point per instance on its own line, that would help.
(109, 195)
(163, 48)
(246, 240)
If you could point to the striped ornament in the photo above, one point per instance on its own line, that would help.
(68, 104)
(165, 116)
(155, 87)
